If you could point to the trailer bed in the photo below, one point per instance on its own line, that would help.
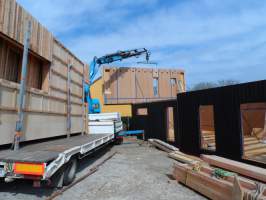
(45, 152)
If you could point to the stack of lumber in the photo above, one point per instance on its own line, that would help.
(205, 179)
(254, 149)
(238, 167)
(241, 181)
(208, 140)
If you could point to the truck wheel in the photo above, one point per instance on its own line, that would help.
(119, 140)
(70, 171)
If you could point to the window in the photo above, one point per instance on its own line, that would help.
(253, 120)
(9, 61)
(11, 65)
(155, 87)
(173, 81)
(207, 128)
(170, 132)
(142, 111)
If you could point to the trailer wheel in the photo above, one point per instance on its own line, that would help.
(119, 140)
(70, 171)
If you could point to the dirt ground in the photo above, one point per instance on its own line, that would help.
(135, 172)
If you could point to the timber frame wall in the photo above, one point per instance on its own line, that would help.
(46, 105)
(227, 118)
(125, 85)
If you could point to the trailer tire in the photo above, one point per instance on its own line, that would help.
(70, 171)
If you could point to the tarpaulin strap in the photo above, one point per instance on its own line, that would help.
(220, 173)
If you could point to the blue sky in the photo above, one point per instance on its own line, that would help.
(210, 39)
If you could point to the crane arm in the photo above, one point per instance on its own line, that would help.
(94, 104)
(118, 56)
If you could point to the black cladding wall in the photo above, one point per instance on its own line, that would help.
(155, 123)
(227, 118)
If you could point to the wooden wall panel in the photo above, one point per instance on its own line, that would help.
(141, 83)
(47, 71)
(13, 20)
(149, 79)
(125, 79)
(110, 86)
(9, 61)
(135, 85)
(164, 84)
(59, 67)
(58, 82)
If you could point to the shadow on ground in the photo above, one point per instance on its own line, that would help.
(24, 188)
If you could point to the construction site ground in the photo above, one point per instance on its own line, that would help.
(136, 171)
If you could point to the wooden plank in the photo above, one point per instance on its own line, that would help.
(211, 187)
(246, 143)
(244, 182)
(255, 146)
(255, 152)
(238, 167)
(163, 145)
(181, 158)
(204, 182)
(2, 6)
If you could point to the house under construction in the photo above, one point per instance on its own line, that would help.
(208, 133)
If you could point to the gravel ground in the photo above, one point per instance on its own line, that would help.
(135, 172)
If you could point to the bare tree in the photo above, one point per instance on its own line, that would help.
(207, 85)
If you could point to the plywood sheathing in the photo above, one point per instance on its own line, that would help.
(12, 23)
(135, 85)
(48, 103)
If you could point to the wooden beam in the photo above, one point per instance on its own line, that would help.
(213, 188)
(255, 146)
(238, 167)
(163, 145)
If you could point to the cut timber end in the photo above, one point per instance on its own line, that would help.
(238, 167)
(180, 173)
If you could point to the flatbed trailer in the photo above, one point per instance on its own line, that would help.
(53, 161)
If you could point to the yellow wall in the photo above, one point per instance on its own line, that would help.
(97, 92)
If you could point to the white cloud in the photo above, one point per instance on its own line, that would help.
(210, 39)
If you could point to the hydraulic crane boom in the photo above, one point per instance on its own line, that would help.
(94, 104)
